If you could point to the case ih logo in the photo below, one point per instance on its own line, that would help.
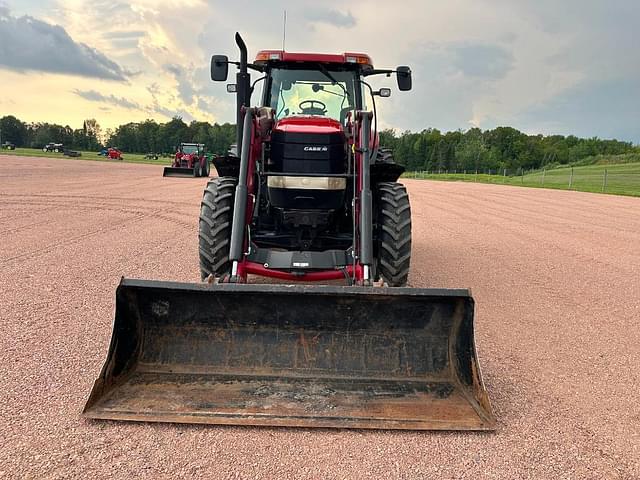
(315, 149)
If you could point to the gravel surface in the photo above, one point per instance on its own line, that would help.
(555, 276)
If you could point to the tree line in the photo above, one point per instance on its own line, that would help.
(36, 135)
(496, 149)
(141, 137)
(430, 149)
(149, 136)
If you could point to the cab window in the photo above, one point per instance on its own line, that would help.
(325, 92)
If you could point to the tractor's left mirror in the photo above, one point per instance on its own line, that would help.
(219, 68)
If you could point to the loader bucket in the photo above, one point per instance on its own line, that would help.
(177, 172)
(292, 355)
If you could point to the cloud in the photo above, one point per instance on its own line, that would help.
(124, 40)
(31, 44)
(482, 61)
(154, 107)
(331, 17)
(450, 78)
(94, 96)
(595, 108)
(476, 61)
(186, 90)
(123, 34)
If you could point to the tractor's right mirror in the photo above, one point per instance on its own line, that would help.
(219, 68)
(404, 78)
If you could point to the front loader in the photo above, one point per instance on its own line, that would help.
(307, 196)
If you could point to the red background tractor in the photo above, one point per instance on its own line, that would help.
(189, 161)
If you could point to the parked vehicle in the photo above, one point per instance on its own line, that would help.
(71, 153)
(53, 147)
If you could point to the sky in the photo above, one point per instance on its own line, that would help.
(542, 66)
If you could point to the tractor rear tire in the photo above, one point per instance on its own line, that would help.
(393, 233)
(196, 170)
(206, 168)
(214, 233)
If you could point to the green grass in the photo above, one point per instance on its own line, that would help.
(127, 157)
(609, 159)
(622, 179)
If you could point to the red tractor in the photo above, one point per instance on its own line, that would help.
(114, 153)
(189, 161)
(308, 195)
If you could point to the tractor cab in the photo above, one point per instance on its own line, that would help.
(196, 149)
(312, 85)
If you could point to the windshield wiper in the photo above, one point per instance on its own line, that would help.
(327, 74)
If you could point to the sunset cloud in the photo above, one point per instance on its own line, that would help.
(29, 44)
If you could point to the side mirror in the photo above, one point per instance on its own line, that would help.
(404, 78)
(383, 92)
(232, 88)
(219, 68)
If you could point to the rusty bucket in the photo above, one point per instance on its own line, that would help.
(292, 355)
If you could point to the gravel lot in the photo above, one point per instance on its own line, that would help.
(555, 275)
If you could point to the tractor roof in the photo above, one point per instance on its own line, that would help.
(267, 56)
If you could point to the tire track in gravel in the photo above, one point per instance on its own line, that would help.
(554, 212)
(586, 206)
(73, 239)
(509, 223)
(160, 214)
(70, 240)
(63, 199)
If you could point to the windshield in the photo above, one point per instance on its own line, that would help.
(189, 149)
(324, 92)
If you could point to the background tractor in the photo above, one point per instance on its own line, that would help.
(309, 196)
(53, 147)
(189, 161)
(112, 153)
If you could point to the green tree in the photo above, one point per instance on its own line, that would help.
(13, 130)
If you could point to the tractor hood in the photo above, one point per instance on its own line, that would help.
(309, 124)
(308, 144)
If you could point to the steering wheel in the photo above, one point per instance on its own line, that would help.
(308, 107)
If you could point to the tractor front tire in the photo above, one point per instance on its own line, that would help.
(393, 213)
(216, 215)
